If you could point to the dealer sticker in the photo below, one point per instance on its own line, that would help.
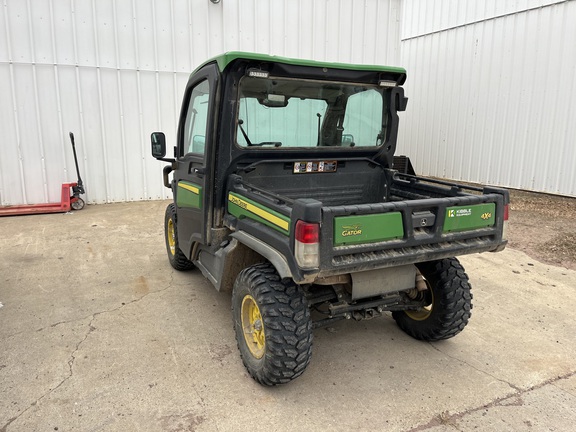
(315, 167)
(459, 212)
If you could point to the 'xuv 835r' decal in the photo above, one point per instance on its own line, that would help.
(189, 195)
(241, 207)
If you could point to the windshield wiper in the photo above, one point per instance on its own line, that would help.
(240, 123)
(318, 140)
(251, 144)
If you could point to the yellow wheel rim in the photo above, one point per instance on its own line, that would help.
(253, 327)
(171, 235)
(424, 313)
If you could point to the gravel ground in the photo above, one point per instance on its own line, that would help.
(544, 227)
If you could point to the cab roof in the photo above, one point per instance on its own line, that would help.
(223, 60)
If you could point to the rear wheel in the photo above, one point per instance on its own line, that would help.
(272, 325)
(449, 302)
(176, 257)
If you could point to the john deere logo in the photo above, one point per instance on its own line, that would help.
(486, 216)
(351, 230)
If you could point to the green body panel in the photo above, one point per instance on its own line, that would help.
(225, 59)
(242, 207)
(189, 195)
(367, 228)
(464, 218)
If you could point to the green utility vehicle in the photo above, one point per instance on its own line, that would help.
(287, 193)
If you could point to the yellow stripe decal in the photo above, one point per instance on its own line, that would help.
(259, 212)
(189, 187)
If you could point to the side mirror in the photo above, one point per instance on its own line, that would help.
(403, 103)
(158, 144)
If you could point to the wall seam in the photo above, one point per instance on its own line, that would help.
(495, 17)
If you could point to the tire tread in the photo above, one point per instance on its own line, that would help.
(453, 302)
(178, 261)
(287, 325)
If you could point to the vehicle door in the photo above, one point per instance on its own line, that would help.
(192, 177)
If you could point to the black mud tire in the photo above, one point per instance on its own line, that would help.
(176, 257)
(450, 302)
(278, 347)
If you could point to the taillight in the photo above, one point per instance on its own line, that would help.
(307, 244)
(505, 225)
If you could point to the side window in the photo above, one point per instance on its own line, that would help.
(196, 124)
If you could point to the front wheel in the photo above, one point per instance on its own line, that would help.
(272, 325)
(449, 302)
(176, 257)
(78, 204)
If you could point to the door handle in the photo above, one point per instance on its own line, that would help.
(199, 171)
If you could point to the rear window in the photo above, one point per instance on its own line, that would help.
(296, 113)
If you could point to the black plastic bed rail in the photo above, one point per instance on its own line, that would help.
(410, 196)
(413, 196)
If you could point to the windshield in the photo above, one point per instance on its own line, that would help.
(289, 113)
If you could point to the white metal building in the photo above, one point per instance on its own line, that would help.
(493, 91)
(491, 83)
(112, 71)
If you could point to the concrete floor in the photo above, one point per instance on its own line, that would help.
(98, 333)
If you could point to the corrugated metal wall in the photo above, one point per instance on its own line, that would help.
(112, 71)
(492, 87)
